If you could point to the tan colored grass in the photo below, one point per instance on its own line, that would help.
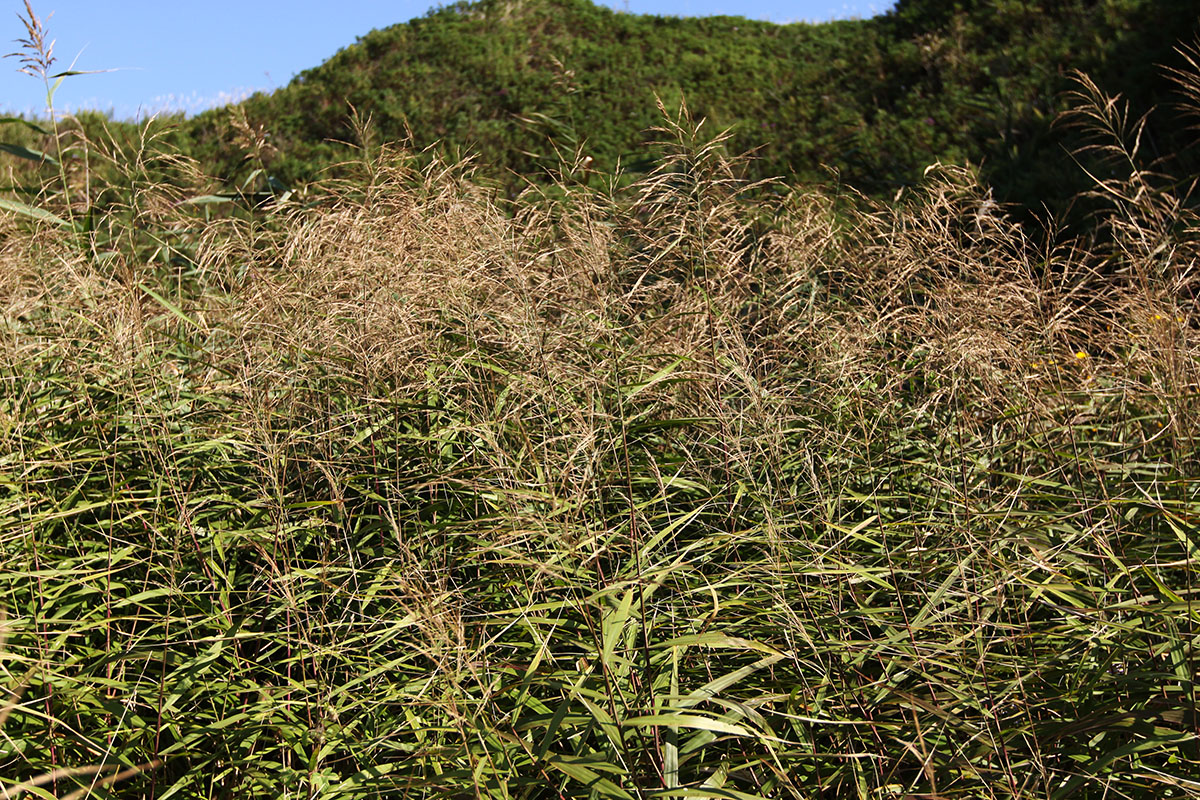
(454, 439)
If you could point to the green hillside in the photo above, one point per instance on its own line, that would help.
(878, 100)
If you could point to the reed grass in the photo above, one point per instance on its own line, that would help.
(686, 489)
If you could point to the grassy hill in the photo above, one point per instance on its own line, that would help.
(683, 487)
(682, 491)
(878, 99)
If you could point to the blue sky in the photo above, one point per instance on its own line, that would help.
(192, 55)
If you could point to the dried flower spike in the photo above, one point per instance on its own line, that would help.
(36, 54)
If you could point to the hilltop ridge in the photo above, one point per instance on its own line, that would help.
(876, 100)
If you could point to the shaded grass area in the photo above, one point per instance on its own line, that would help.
(685, 489)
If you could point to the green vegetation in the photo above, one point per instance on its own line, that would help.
(633, 486)
(878, 100)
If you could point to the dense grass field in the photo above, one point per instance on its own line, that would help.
(691, 488)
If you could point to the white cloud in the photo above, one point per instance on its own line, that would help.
(188, 104)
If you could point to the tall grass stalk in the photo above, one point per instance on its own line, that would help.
(693, 489)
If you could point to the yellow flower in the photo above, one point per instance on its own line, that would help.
(1080, 354)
